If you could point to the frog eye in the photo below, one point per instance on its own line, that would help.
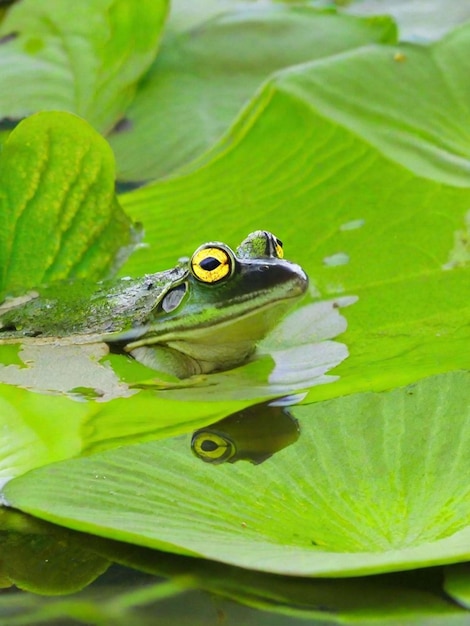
(278, 248)
(212, 447)
(211, 263)
(261, 244)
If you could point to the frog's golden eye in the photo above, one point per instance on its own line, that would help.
(212, 447)
(211, 263)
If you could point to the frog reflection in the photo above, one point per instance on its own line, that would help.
(253, 434)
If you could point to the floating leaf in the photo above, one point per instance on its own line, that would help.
(361, 491)
(85, 59)
(204, 76)
(415, 114)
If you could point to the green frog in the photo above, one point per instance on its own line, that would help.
(204, 315)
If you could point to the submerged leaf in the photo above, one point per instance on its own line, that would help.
(457, 583)
(43, 558)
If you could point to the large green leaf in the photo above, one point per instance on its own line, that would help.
(362, 491)
(84, 58)
(60, 216)
(203, 77)
(415, 109)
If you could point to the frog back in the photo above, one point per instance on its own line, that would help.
(80, 308)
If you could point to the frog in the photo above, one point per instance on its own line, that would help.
(204, 315)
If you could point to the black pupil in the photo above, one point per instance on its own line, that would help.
(209, 446)
(210, 263)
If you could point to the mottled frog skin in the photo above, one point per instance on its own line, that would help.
(205, 315)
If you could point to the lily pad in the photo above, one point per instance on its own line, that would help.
(85, 59)
(402, 111)
(202, 78)
(60, 216)
(362, 490)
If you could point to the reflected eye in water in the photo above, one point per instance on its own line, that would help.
(212, 447)
(254, 434)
